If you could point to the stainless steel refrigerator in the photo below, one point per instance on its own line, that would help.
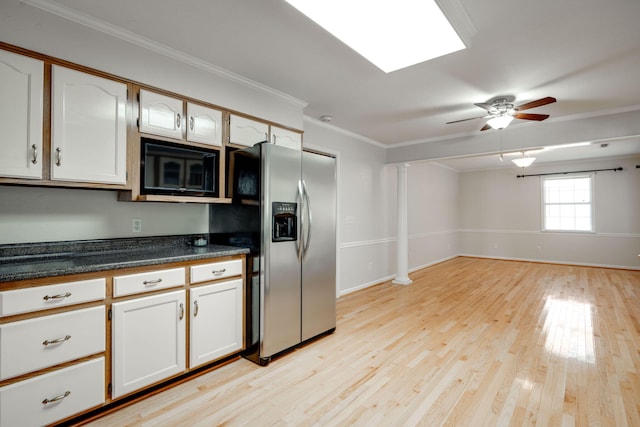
(284, 209)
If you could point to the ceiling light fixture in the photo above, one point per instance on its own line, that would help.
(390, 34)
(523, 162)
(500, 122)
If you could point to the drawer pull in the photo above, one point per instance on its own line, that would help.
(181, 311)
(195, 308)
(152, 282)
(34, 150)
(219, 272)
(57, 398)
(56, 341)
(56, 297)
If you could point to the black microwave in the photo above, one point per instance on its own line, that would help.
(174, 169)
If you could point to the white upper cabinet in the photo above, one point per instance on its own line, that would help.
(21, 88)
(247, 132)
(89, 128)
(286, 138)
(204, 124)
(161, 115)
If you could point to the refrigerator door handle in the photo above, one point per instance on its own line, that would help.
(299, 242)
(307, 207)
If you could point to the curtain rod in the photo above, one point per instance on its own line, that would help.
(564, 173)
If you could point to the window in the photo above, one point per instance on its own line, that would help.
(568, 204)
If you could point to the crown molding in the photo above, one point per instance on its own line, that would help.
(150, 45)
(344, 132)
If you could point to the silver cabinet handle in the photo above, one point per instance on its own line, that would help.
(195, 308)
(34, 152)
(181, 311)
(57, 398)
(56, 341)
(152, 282)
(266, 136)
(178, 120)
(58, 156)
(191, 122)
(218, 272)
(55, 297)
(273, 139)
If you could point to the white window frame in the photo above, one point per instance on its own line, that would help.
(543, 203)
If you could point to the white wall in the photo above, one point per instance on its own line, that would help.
(366, 229)
(501, 216)
(367, 196)
(29, 214)
(433, 207)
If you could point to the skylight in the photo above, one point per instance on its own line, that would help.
(390, 34)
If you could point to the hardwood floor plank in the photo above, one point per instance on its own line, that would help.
(471, 342)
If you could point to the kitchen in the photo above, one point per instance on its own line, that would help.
(365, 205)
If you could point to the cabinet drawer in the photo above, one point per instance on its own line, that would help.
(29, 345)
(23, 403)
(216, 270)
(51, 296)
(149, 281)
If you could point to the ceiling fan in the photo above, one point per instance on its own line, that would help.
(501, 111)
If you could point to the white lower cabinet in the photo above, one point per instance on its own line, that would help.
(216, 321)
(148, 341)
(53, 396)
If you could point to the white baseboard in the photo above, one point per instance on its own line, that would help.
(546, 261)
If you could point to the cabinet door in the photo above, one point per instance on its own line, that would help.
(216, 321)
(286, 138)
(21, 88)
(204, 125)
(89, 128)
(148, 341)
(160, 114)
(247, 132)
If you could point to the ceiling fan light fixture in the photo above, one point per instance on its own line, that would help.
(523, 162)
(500, 122)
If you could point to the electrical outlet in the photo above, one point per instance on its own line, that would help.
(136, 225)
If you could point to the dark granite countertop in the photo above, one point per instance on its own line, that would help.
(49, 259)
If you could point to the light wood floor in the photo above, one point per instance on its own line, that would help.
(471, 342)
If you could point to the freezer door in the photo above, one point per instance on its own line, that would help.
(319, 240)
(280, 277)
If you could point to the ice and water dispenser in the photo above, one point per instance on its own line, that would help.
(285, 222)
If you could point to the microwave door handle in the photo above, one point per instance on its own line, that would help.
(299, 242)
(307, 208)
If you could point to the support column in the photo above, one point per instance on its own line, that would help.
(402, 268)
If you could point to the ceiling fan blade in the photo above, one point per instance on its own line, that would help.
(464, 120)
(486, 127)
(537, 103)
(483, 105)
(537, 117)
